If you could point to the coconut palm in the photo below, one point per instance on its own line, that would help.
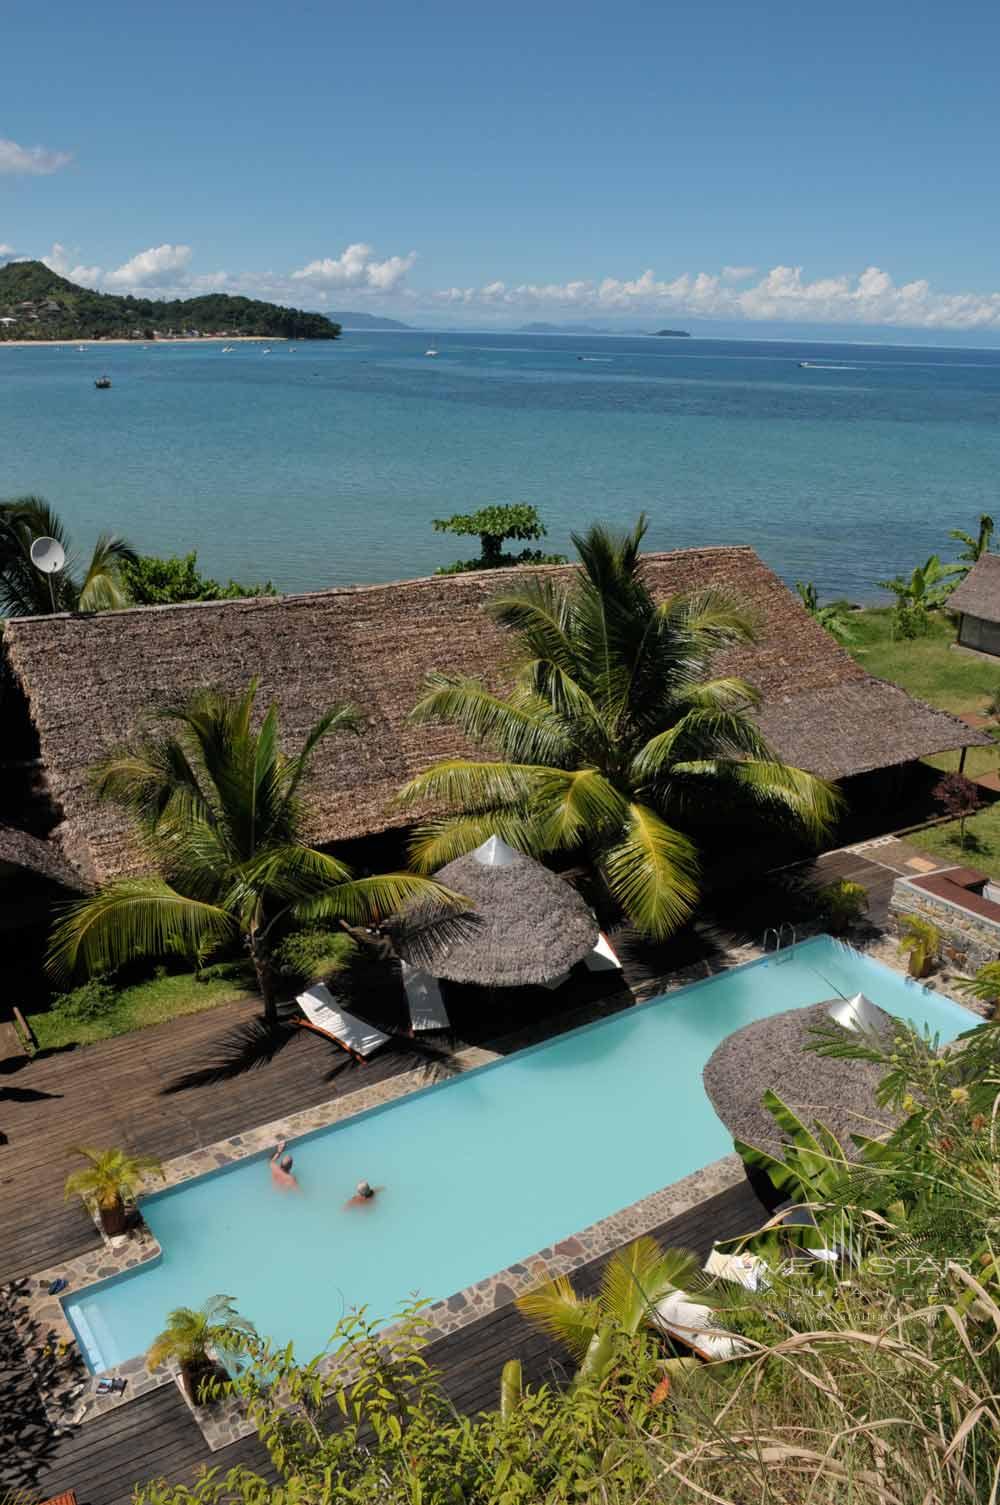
(615, 739)
(833, 616)
(216, 803)
(108, 1178)
(634, 1280)
(190, 1335)
(26, 592)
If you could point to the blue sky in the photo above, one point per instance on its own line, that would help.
(491, 164)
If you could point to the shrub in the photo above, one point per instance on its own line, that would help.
(93, 999)
(313, 953)
(842, 902)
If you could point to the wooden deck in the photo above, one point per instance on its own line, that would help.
(156, 1436)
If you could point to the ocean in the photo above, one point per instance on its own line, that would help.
(325, 465)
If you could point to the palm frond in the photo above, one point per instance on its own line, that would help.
(367, 901)
(135, 917)
(103, 587)
(436, 842)
(652, 872)
(723, 693)
(474, 787)
(521, 725)
(637, 1277)
(538, 611)
(557, 1309)
(342, 717)
(576, 806)
(813, 804)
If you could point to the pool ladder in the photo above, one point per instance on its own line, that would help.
(783, 935)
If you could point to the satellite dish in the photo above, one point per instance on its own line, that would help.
(48, 555)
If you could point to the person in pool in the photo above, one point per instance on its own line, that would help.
(363, 1194)
(281, 1169)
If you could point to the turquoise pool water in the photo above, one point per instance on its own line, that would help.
(477, 1172)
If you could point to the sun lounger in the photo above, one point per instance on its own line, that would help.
(423, 999)
(677, 1316)
(747, 1270)
(346, 1030)
(602, 958)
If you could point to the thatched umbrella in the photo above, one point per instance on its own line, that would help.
(771, 1053)
(531, 926)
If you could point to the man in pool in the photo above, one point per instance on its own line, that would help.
(281, 1169)
(363, 1194)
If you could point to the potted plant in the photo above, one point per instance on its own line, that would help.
(841, 903)
(921, 942)
(109, 1178)
(192, 1337)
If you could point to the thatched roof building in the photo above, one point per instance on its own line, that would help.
(89, 679)
(532, 926)
(977, 601)
(20, 852)
(771, 1054)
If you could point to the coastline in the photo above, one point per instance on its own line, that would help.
(188, 339)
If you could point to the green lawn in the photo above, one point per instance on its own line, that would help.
(952, 678)
(134, 1007)
(983, 842)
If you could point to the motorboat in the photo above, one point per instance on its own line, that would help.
(102, 383)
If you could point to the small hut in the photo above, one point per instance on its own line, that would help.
(772, 1054)
(531, 925)
(977, 602)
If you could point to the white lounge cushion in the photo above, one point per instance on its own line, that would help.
(321, 1009)
(694, 1324)
(747, 1270)
(423, 999)
(602, 958)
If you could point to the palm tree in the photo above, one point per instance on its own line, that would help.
(109, 1177)
(189, 1335)
(834, 616)
(615, 737)
(216, 803)
(927, 587)
(634, 1280)
(26, 592)
(974, 546)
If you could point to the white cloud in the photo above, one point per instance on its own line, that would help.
(6, 250)
(355, 267)
(36, 161)
(159, 267)
(783, 294)
(60, 259)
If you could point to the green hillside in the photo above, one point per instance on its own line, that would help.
(37, 304)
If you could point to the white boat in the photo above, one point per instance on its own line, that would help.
(431, 351)
(226, 349)
(267, 351)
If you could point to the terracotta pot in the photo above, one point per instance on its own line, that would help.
(113, 1218)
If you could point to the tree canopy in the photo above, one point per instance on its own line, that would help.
(155, 581)
(495, 526)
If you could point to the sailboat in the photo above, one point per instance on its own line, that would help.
(431, 351)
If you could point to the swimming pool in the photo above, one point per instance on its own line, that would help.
(478, 1172)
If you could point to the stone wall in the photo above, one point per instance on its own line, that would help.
(968, 940)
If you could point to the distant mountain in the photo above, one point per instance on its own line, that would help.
(367, 321)
(673, 334)
(38, 304)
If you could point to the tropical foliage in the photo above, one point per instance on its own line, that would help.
(109, 1179)
(495, 526)
(154, 581)
(191, 1337)
(985, 986)
(216, 804)
(921, 942)
(924, 590)
(26, 592)
(834, 616)
(841, 903)
(617, 739)
(974, 546)
(959, 798)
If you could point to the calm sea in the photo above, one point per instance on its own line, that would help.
(325, 465)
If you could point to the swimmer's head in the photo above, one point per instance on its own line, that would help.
(364, 1190)
(286, 1162)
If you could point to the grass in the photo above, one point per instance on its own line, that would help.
(982, 849)
(930, 667)
(149, 1002)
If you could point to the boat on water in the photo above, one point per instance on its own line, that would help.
(102, 382)
(226, 349)
(267, 351)
(431, 351)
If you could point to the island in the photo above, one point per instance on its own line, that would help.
(38, 304)
(349, 320)
(672, 334)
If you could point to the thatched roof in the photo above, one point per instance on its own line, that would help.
(89, 679)
(31, 854)
(978, 595)
(531, 924)
(771, 1053)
